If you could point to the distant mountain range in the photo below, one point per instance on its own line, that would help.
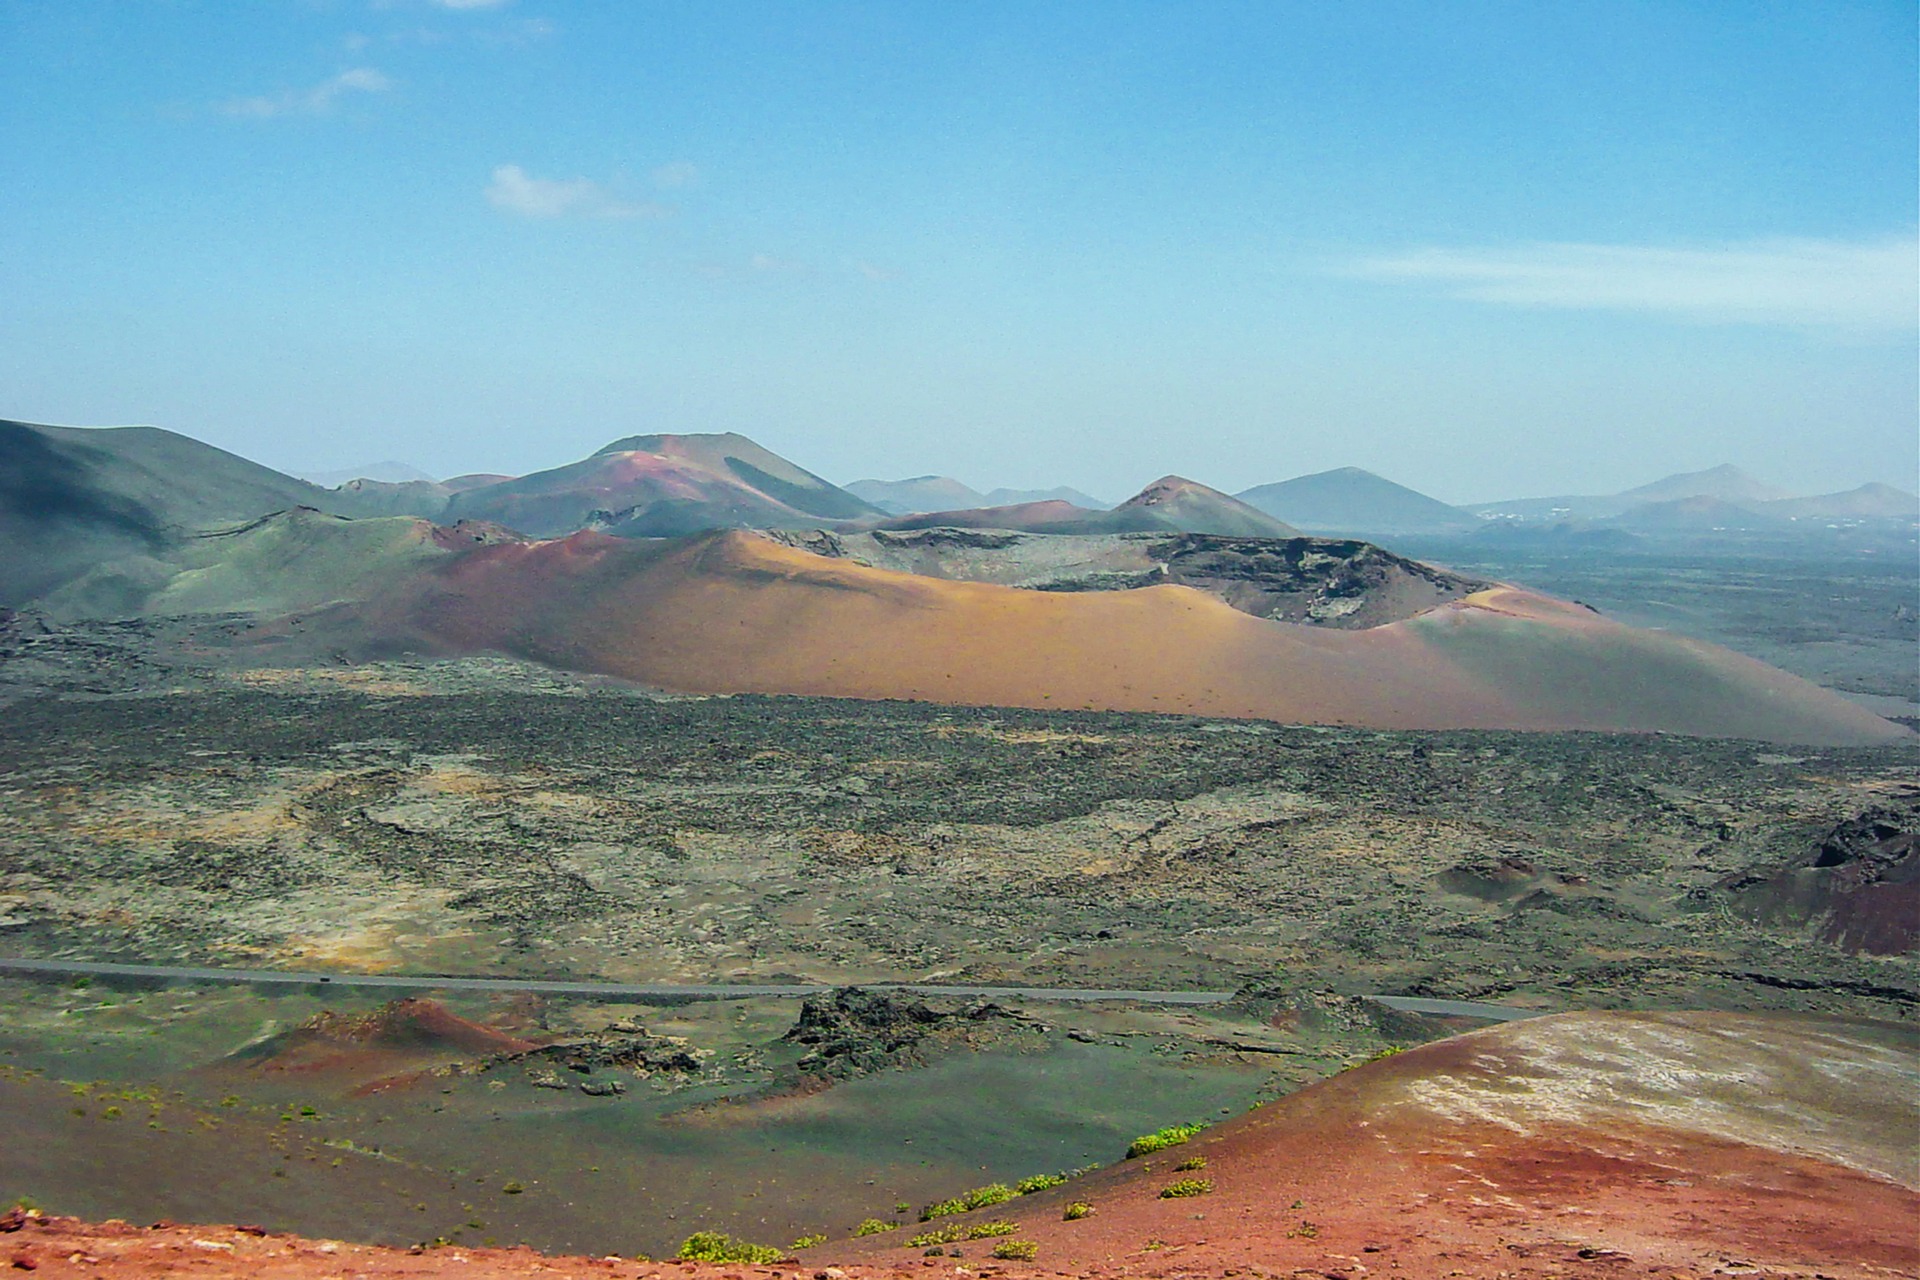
(1722, 499)
(1180, 599)
(944, 493)
(1349, 500)
(1712, 498)
(1170, 504)
(385, 472)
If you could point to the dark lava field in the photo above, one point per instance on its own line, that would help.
(596, 833)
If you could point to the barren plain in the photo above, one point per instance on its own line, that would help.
(483, 817)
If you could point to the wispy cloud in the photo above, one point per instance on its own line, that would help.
(314, 101)
(1854, 283)
(768, 264)
(680, 173)
(473, 4)
(514, 190)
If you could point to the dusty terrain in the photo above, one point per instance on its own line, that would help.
(1604, 1144)
(1669, 1145)
(486, 817)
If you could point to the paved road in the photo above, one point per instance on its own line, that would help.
(693, 991)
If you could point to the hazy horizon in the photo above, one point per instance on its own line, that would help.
(1485, 250)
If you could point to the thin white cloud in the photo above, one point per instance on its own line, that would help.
(875, 272)
(767, 263)
(680, 173)
(315, 101)
(514, 190)
(1852, 283)
(473, 4)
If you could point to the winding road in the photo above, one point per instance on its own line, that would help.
(643, 991)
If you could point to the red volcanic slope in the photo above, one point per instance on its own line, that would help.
(404, 1033)
(70, 1249)
(1599, 1144)
(735, 612)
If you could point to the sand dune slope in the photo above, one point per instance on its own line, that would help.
(737, 613)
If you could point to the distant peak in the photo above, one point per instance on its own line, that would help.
(1167, 487)
(667, 442)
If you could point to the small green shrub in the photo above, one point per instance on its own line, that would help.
(807, 1242)
(1160, 1139)
(978, 1198)
(1077, 1210)
(712, 1246)
(874, 1226)
(956, 1232)
(1190, 1165)
(1016, 1250)
(1039, 1182)
(1305, 1231)
(1186, 1187)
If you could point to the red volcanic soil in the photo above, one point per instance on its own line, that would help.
(69, 1247)
(738, 613)
(1588, 1144)
(1607, 1144)
(399, 1037)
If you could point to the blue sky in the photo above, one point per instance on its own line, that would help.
(1486, 249)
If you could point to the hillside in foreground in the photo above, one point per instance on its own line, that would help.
(1590, 1144)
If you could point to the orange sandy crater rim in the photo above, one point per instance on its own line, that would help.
(735, 612)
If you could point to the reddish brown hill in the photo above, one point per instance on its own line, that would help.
(738, 613)
(1192, 507)
(356, 1048)
(662, 486)
(1600, 1144)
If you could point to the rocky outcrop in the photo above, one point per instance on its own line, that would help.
(1339, 583)
(623, 1045)
(853, 1032)
(1857, 888)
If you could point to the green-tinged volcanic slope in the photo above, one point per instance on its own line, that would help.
(72, 498)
